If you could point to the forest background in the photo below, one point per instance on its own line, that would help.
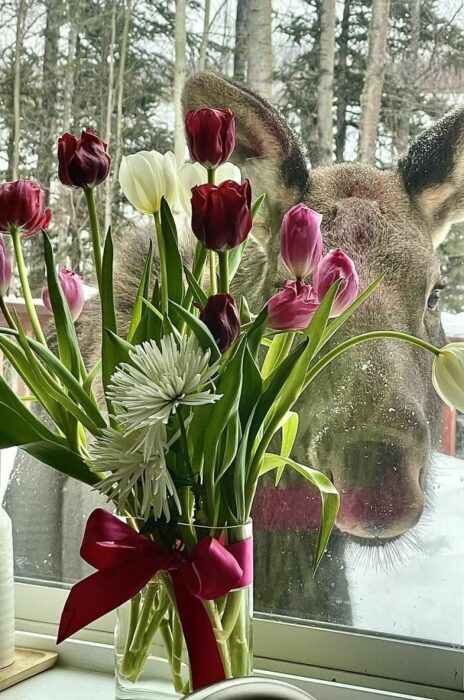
(356, 79)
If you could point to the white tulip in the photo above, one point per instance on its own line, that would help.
(193, 174)
(147, 176)
(448, 375)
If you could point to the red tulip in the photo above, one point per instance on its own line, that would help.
(22, 207)
(292, 308)
(210, 135)
(5, 269)
(301, 240)
(82, 161)
(73, 290)
(221, 316)
(333, 266)
(221, 215)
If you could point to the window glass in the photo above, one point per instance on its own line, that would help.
(395, 563)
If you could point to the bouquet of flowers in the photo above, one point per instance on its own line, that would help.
(195, 393)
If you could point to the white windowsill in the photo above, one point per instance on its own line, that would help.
(84, 670)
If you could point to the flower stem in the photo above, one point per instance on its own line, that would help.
(224, 272)
(211, 253)
(6, 313)
(32, 313)
(144, 617)
(162, 264)
(95, 234)
(374, 335)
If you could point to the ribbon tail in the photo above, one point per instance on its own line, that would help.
(199, 636)
(102, 592)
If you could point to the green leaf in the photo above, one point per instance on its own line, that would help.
(120, 348)
(256, 206)
(230, 440)
(235, 258)
(107, 309)
(201, 331)
(328, 493)
(18, 424)
(172, 253)
(212, 419)
(68, 345)
(197, 293)
(289, 428)
(142, 293)
(63, 460)
(244, 311)
(281, 344)
(252, 387)
(316, 327)
(255, 332)
(338, 322)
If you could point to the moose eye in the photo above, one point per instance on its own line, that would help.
(434, 298)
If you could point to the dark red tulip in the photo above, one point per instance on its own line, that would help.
(222, 318)
(210, 135)
(22, 206)
(82, 161)
(221, 215)
(292, 308)
(332, 267)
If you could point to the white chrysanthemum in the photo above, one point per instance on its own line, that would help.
(162, 378)
(148, 480)
(193, 174)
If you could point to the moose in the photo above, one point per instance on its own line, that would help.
(370, 420)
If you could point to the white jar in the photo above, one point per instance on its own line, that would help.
(7, 626)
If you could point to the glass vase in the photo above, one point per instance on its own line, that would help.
(151, 659)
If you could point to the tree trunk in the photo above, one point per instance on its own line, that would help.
(241, 39)
(109, 113)
(179, 80)
(259, 17)
(325, 91)
(120, 95)
(371, 97)
(20, 27)
(342, 84)
(408, 87)
(204, 37)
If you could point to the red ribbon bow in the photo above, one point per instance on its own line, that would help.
(127, 561)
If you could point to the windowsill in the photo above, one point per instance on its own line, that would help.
(84, 670)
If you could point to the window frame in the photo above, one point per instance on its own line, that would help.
(313, 651)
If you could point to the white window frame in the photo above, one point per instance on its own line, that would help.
(319, 652)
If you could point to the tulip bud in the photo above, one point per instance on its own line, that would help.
(82, 161)
(332, 267)
(193, 174)
(147, 176)
(292, 308)
(5, 269)
(448, 375)
(22, 207)
(73, 290)
(301, 240)
(221, 215)
(221, 316)
(210, 135)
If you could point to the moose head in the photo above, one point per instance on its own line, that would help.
(371, 420)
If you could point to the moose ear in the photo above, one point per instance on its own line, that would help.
(433, 173)
(265, 146)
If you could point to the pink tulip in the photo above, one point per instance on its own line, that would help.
(301, 240)
(22, 206)
(5, 269)
(333, 266)
(292, 308)
(73, 290)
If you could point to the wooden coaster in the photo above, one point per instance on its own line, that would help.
(27, 663)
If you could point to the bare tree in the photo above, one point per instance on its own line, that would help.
(342, 82)
(179, 79)
(373, 80)
(120, 93)
(326, 82)
(109, 110)
(20, 27)
(204, 37)
(259, 19)
(241, 38)
(408, 80)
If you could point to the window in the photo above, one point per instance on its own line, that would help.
(387, 601)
